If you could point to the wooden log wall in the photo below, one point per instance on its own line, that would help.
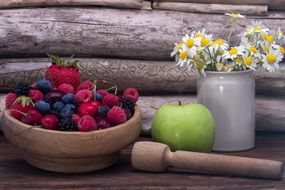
(131, 34)
(150, 77)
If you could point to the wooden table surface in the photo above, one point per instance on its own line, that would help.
(15, 173)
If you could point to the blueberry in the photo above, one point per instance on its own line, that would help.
(66, 113)
(98, 97)
(103, 110)
(43, 107)
(68, 98)
(71, 107)
(44, 86)
(57, 106)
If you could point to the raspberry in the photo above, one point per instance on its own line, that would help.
(111, 100)
(10, 99)
(83, 96)
(50, 121)
(103, 92)
(87, 123)
(87, 85)
(104, 123)
(131, 93)
(36, 95)
(65, 88)
(117, 115)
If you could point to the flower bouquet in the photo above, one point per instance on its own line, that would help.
(227, 83)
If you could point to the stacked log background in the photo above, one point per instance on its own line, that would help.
(122, 42)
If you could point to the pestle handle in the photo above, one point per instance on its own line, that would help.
(221, 164)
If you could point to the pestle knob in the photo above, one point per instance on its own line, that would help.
(157, 157)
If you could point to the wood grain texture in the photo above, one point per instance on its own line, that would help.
(112, 33)
(151, 77)
(211, 8)
(133, 4)
(233, 2)
(16, 174)
(269, 110)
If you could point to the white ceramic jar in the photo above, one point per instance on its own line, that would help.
(230, 96)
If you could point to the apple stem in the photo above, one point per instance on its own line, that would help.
(179, 103)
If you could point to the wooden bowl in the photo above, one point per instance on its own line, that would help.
(71, 152)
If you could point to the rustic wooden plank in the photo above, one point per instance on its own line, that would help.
(269, 110)
(212, 8)
(150, 77)
(233, 2)
(135, 34)
(17, 174)
(134, 4)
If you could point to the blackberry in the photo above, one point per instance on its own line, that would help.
(67, 125)
(22, 89)
(129, 104)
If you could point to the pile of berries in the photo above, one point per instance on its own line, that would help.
(60, 102)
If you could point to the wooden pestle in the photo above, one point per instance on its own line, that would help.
(157, 157)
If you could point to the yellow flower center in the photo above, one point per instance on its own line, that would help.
(234, 15)
(281, 49)
(229, 66)
(179, 45)
(233, 51)
(257, 28)
(252, 49)
(204, 42)
(219, 41)
(183, 55)
(198, 35)
(271, 58)
(248, 60)
(190, 43)
(270, 39)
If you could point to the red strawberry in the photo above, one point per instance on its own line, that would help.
(83, 96)
(87, 123)
(131, 93)
(117, 115)
(65, 88)
(36, 95)
(21, 105)
(62, 71)
(10, 98)
(50, 121)
(111, 100)
(87, 108)
(32, 117)
(85, 85)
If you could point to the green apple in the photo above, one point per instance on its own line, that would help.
(189, 127)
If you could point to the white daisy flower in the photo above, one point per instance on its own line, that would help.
(250, 62)
(235, 15)
(271, 60)
(189, 40)
(234, 52)
(221, 44)
(256, 27)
